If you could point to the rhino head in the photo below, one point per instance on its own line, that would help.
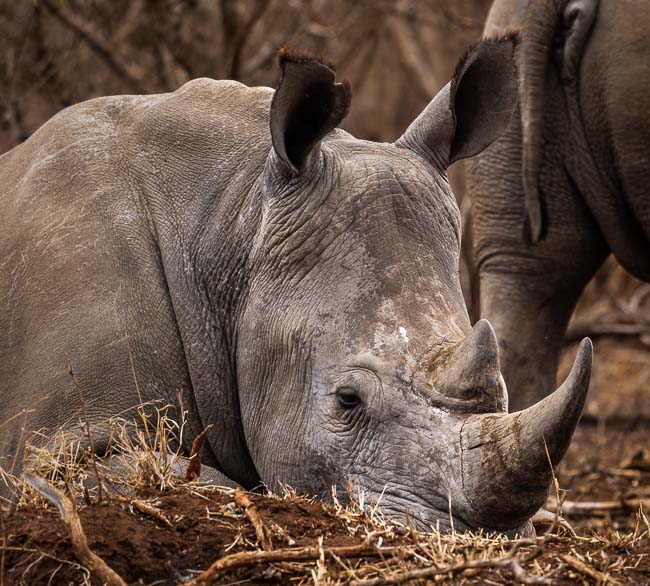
(356, 360)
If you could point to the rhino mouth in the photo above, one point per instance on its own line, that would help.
(443, 520)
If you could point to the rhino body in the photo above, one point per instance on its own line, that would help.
(567, 183)
(297, 285)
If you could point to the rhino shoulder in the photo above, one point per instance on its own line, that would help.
(199, 104)
(227, 90)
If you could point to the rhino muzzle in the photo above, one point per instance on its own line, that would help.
(508, 459)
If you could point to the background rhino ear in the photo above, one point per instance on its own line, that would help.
(307, 104)
(473, 109)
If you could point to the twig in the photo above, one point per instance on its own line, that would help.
(576, 564)
(595, 507)
(251, 558)
(32, 550)
(144, 508)
(506, 561)
(92, 561)
(639, 296)
(262, 532)
(193, 471)
(615, 325)
(100, 45)
(627, 473)
(242, 37)
(638, 461)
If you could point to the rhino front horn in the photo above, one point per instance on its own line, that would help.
(508, 459)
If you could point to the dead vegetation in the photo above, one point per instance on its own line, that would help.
(58, 53)
(145, 519)
(141, 521)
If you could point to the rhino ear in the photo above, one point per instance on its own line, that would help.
(307, 104)
(473, 109)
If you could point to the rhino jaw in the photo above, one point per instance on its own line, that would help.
(507, 460)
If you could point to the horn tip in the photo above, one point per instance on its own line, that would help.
(584, 360)
(586, 345)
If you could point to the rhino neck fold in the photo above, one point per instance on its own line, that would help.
(206, 297)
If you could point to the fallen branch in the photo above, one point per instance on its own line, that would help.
(507, 561)
(617, 325)
(310, 553)
(193, 471)
(576, 564)
(262, 532)
(90, 560)
(601, 507)
(626, 473)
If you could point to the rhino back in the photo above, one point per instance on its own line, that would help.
(89, 205)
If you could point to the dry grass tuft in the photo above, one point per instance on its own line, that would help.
(353, 542)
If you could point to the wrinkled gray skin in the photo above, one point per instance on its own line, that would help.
(302, 293)
(551, 201)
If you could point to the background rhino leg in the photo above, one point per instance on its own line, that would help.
(528, 292)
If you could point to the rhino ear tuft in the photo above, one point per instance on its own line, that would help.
(473, 109)
(307, 104)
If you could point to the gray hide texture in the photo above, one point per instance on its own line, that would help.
(299, 286)
(567, 183)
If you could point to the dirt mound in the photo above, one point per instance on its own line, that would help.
(206, 526)
(188, 531)
(173, 536)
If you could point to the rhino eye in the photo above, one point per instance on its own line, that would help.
(348, 399)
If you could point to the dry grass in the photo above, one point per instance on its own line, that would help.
(362, 547)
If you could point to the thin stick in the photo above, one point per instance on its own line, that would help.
(576, 564)
(607, 326)
(100, 45)
(251, 558)
(193, 471)
(262, 532)
(144, 508)
(92, 561)
(552, 519)
(507, 561)
(595, 507)
(141, 410)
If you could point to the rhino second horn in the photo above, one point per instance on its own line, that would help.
(472, 371)
(508, 459)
